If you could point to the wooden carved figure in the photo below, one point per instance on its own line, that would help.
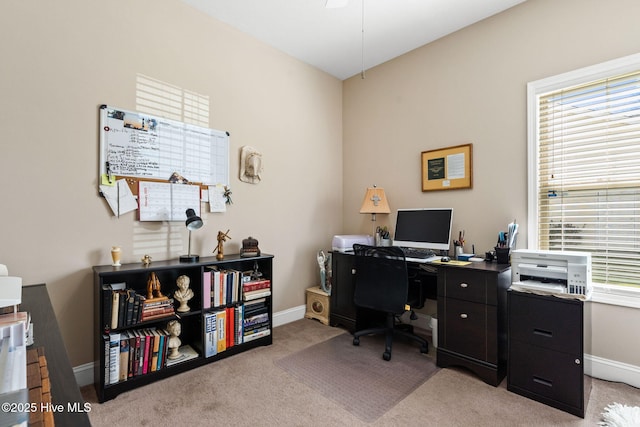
(222, 237)
(153, 287)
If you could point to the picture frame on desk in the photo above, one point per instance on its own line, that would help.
(447, 168)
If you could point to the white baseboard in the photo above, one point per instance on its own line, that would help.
(594, 366)
(611, 370)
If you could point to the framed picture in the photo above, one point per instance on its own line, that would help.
(447, 168)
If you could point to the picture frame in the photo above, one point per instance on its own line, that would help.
(447, 168)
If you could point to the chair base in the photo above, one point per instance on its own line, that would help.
(389, 331)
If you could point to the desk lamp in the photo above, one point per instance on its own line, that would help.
(375, 202)
(193, 222)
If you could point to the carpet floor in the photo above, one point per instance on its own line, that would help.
(356, 377)
(249, 389)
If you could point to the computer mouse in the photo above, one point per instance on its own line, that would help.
(445, 259)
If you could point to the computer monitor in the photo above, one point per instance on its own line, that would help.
(428, 228)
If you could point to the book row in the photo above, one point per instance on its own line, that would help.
(125, 307)
(133, 353)
(228, 287)
(229, 326)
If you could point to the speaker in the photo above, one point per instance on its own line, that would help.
(317, 305)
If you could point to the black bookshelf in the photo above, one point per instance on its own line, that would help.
(135, 277)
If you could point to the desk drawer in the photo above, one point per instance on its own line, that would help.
(465, 329)
(547, 373)
(548, 322)
(465, 285)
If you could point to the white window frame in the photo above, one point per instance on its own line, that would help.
(607, 294)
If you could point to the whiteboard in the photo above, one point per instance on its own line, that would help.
(144, 146)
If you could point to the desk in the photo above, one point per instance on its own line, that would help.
(472, 316)
(64, 388)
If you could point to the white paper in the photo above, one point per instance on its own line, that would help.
(161, 201)
(217, 199)
(119, 197)
(455, 166)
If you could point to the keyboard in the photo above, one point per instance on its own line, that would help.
(417, 253)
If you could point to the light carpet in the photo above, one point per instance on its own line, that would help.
(356, 377)
(618, 415)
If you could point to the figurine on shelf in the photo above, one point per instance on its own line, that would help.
(249, 247)
(153, 287)
(222, 237)
(115, 256)
(175, 329)
(183, 294)
(146, 260)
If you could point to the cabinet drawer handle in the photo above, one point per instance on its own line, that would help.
(543, 381)
(547, 334)
(463, 316)
(577, 361)
(463, 285)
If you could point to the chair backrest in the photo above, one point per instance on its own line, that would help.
(381, 279)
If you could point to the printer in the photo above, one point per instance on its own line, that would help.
(344, 243)
(561, 273)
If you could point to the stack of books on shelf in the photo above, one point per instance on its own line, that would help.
(256, 321)
(128, 308)
(156, 308)
(257, 288)
(133, 353)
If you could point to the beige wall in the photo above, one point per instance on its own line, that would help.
(61, 60)
(471, 87)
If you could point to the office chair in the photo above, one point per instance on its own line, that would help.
(382, 284)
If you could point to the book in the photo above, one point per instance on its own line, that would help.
(124, 357)
(239, 321)
(260, 293)
(115, 304)
(186, 353)
(210, 335)
(221, 320)
(122, 309)
(114, 358)
(107, 300)
(107, 357)
(256, 335)
(216, 288)
(154, 352)
(131, 297)
(253, 285)
(230, 323)
(206, 289)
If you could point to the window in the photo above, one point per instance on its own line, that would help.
(584, 169)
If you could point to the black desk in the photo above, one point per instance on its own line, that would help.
(472, 315)
(64, 388)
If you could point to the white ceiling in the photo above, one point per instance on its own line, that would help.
(331, 39)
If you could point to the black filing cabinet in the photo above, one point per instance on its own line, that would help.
(546, 350)
(472, 318)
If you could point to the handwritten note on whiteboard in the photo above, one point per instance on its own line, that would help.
(159, 201)
(144, 146)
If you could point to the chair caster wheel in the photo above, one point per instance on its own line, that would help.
(356, 341)
(424, 349)
(386, 356)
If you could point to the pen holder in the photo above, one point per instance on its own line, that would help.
(502, 255)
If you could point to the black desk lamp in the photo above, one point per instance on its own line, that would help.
(193, 222)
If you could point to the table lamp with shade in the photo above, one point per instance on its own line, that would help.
(375, 202)
(193, 223)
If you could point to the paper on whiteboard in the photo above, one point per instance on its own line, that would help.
(217, 199)
(161, 201)
(119, 197)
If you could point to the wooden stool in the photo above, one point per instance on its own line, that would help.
(317, 305)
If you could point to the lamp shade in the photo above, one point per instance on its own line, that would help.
(375, 201)
(193, 221)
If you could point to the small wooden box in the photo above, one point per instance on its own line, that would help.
(317, 305)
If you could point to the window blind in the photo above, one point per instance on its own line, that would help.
(589, 175)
